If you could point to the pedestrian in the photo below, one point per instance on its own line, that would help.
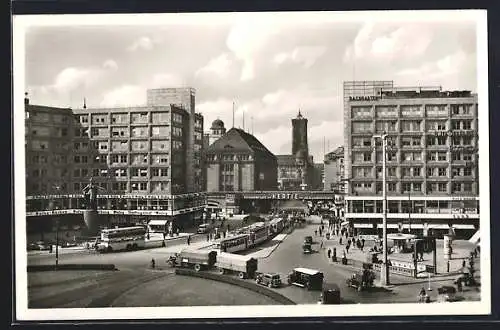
(347, 248)
(363, 242)
(459, 285)
(315, 233)
(208, 237)
(421, 295)
(329, 253)
(321, 245)
(189, 240)
(448, 266)
(340, 240)
(153, 263)
(334, 255)
(463, 263)
(320, 232)
(322, 226)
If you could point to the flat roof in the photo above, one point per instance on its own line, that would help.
(307, 271)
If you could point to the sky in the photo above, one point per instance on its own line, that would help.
(269, 66)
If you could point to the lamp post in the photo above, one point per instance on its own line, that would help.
(384, 271)
(409, 211)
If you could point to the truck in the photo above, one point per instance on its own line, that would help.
(244, 266)
(197, 259)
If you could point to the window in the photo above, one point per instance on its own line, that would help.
(361, 112)
(139, 132)
(114, 159)
(119, 132)
(406, 186)
(119, 118)
(155, 172)
(362, 127)
(455, 124)
(386, 126)
(467, 124)
(177, 118)
(160, 144)
(467, 140)
(456, 187)
(411, 110)
(467, 171)
(455, 171)
(76, 186)
(139, 145)
(410, 126)
(391, 156)
(406, 172)
(160, 117)
(417, 171)
(431, 156)
(141, 117)
(436, 110)
(417, 186)
(391, 171)
(441, 156)
(467, 186)
(431, 171)
(442, 186)
(95, 172)
(467, 157)
(386, 111)
(84, 172)
(442, 171)
(391, 186)
(134, 172)
(177, 131)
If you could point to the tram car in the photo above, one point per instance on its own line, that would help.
(235, 243)
(258, 233)
(276, 226)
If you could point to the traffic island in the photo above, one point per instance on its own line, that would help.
(235, 281)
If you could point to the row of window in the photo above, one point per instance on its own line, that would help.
(44, 117)
(411, 126)
(163, 186)
(392, 156)
(410, 111)
(406, 187)
(229, 157)
(120, 172)
(123, 118)
(367, 172)
(415, 141)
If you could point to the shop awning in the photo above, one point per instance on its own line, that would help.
(158, 222)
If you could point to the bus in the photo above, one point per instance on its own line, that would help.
(234, 243)
(128, 238)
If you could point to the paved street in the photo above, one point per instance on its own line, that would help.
(280, 255)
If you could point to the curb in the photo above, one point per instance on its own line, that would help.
(275, 247)
(233, 281)
(41, 268)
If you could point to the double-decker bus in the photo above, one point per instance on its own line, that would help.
(128, 238)
(234, 243)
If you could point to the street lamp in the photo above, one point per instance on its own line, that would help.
(56, 188)
(384, 271)
(409, 211)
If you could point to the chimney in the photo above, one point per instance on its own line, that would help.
(26, 99)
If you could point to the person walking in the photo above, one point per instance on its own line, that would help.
(153, 263)
(347, 248)
(334, 255)
(208, 237)
(329, 253)
(189, 240)
(315, 233)
(340, 240)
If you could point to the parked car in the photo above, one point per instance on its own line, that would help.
(271, 280)
(306, 278)
(308, 240)
(204, 228)
(330, 294)
(446, 293)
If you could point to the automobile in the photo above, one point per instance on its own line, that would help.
(306, 248)
(203, 228)
(330, 294)
(308, 240)
(306, 278)
(43, 246)
(361, 280)
(271, 280)
(446, 293)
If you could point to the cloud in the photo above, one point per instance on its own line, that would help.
(306, 55)
(219, 65)
(389, 42)
(110, 65)
(164, 80)
(246, 38)
(125, 95)
(448, 65)
(143, 43)
(216, 107)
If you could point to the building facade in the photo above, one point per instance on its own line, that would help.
(334, 176)
(295, 171)
(432, 158)
(146, 159)
(239, 162)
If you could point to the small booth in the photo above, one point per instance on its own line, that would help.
(401, 243)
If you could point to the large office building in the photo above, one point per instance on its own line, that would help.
(432, 157)
(295, 171)
(334, 176)
(146, 159)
